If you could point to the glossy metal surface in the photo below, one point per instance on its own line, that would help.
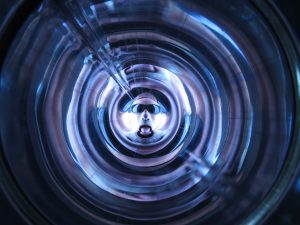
(166, 112)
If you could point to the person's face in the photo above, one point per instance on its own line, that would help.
(147, 117)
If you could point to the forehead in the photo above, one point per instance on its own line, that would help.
(144, 101)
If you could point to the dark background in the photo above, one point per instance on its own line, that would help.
(288, 212)
(285, 214)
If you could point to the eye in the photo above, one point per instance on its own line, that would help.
(137, 108)
(154, 109)
(140, 108)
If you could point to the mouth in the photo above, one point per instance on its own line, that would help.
(145, 131)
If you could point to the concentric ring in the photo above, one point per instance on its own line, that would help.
(207, 118)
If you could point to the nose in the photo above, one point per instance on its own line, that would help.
(145, 115)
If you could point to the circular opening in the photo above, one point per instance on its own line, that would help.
(161, 112)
